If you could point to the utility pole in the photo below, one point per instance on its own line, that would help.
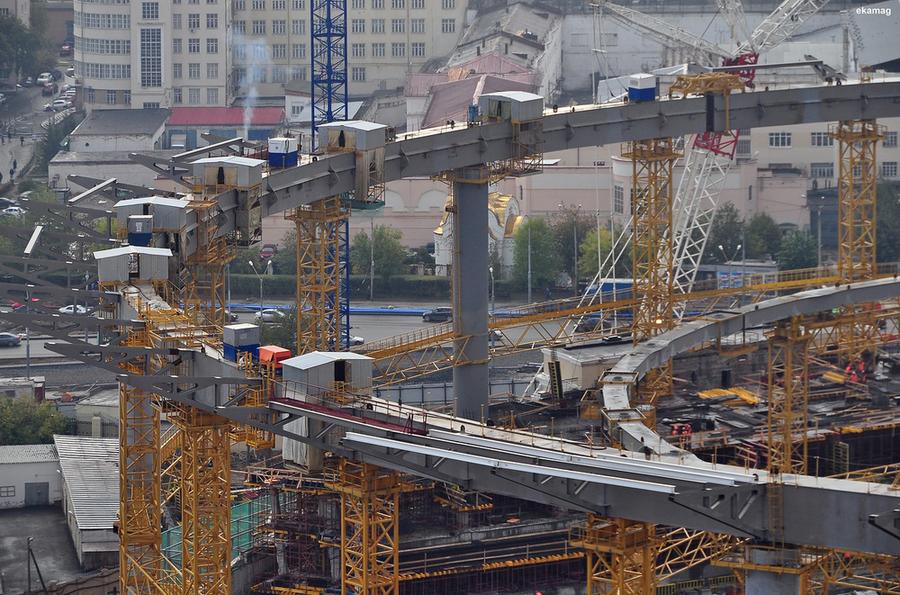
(529, 261)
(372, 259)
(819, 233)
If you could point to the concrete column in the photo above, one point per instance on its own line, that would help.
(470, 290)
(782, 577)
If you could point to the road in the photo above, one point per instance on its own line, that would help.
(23, 112)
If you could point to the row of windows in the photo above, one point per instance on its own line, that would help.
(151, 58)
(821, 139)
(194, 68)
(109, 97)
(193, 96)
(93, 20)
(195, 2)
(398, 50)
(258, 5)
(103, 71)
(276, 51)
(106, 1)
(398, 4)
(826, 170)
(193, 45)
(399, 25)
(193, 21)
(104, 46)
(278, 74)
(149, 10)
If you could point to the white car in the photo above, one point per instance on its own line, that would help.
(355, 341)
(73, 309)
(269, 315)
(43, 79)
(70, 93)
(58, 105)
(14, 211)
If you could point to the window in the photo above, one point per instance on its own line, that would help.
(296, 110)
(212, 70)
(279, 27)
(448, 25)
(398, 4)
(240, 75)
(240, 27)
(857, 171)
(779, 139)
(240, 5)
(298, 51)
(149, 10)
(889, 169)
(104, 46)
(151, 58)
(89, 95)
(358, 74)
(618, 199)
(127, 97)
(212, 1)
(258, 5)
(259, 27)
(417, 25)
(358, 5)
(212, 96)
(378, 50)
(212, 46)
(110, 97)
(194, 21)
(890, 139)
(358, 26)
(743, 146)
(194, 96)
(418, 4)
(377, 25)
(258, 74)
(358, 50)
(299, 4)
(260, 51)
(298, 73)
(176, 21)
(212, 21)
(279, 51)
(239, 52)
(417, 49)
(279, 74)
(194, 71)
(398, 25)
(176, 71)
(194, 46)
(378, 4)
(298, 27)
(821, 139)
(7, 491)
(176, 46)
(821, 170)
(279, 5)
(398, 50)
(151, 105)
(448, 4)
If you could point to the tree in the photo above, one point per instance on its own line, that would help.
(545, 261)
(51, 142)
(390, 254)
(587, 252)
(283, 332)
(726, 230)
(25, 421)
(798, 251)
(888, 223)
(285, 260)
(763, 237)
(563, 226)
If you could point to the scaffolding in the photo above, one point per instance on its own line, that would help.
(788, 390)
(203, 280)
(620, 555)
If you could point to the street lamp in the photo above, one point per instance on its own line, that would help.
(493, 294)
(258, 276)
(574, 245)
(730, 261)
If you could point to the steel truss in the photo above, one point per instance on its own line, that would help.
(788, 393)
(328, 78)
(321, 267)
(203, 287)
(620, 555)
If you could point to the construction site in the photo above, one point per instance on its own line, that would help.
(680, 435)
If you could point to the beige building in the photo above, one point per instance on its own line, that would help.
(21, 9)
(153, 54)
(386, 40)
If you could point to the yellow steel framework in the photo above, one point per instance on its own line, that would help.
(257, 398)
(652, 254)
(318, 273)
(620, 555)
(369, 528)
(788, 390)
(204, 290)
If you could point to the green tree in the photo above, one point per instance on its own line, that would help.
(763, 237)
(285, 260)
(545, 261)
(887, 224)
(726, 230)
(798, 251)
(50, 143)
(282, 333)
(389, 253)
(587, 252)
(25, 421)
(563, 226)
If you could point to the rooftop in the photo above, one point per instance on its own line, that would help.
(27, 453)
(451, 101)
(225, 116)
(107, 157)
(318, 358)
(153, 200)
(122, 122)
(113, 252)
(90, 469)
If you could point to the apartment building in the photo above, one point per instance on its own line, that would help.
(21, 9)
(153, 54)
(386, 40)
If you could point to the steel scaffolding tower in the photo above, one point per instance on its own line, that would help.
(328, 80)
(788, 385)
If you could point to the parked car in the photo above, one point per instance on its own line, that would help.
(27, 81)
(49, 89)
(440, 314)
(13, 211)
(6, 202)
(231, 316)
(355, 341)
(58, 105)
(70, 94)
(65, 49)
(269, 315)
(9, 340)
(70, 72)
(74, 309)
(44, 78)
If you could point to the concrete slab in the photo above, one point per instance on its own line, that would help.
(52, 547)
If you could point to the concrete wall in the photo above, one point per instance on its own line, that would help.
(16, 475)
(93, 143)
(60, 21)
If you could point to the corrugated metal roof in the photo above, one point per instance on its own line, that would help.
(112, 252)
(235, 159)
(318, 358)
(27, 453)
(225, 116)
(153, 200)
(90, 470)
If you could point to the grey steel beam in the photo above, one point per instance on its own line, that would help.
(427, 153)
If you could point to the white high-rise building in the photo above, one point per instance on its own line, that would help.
(154, 53)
